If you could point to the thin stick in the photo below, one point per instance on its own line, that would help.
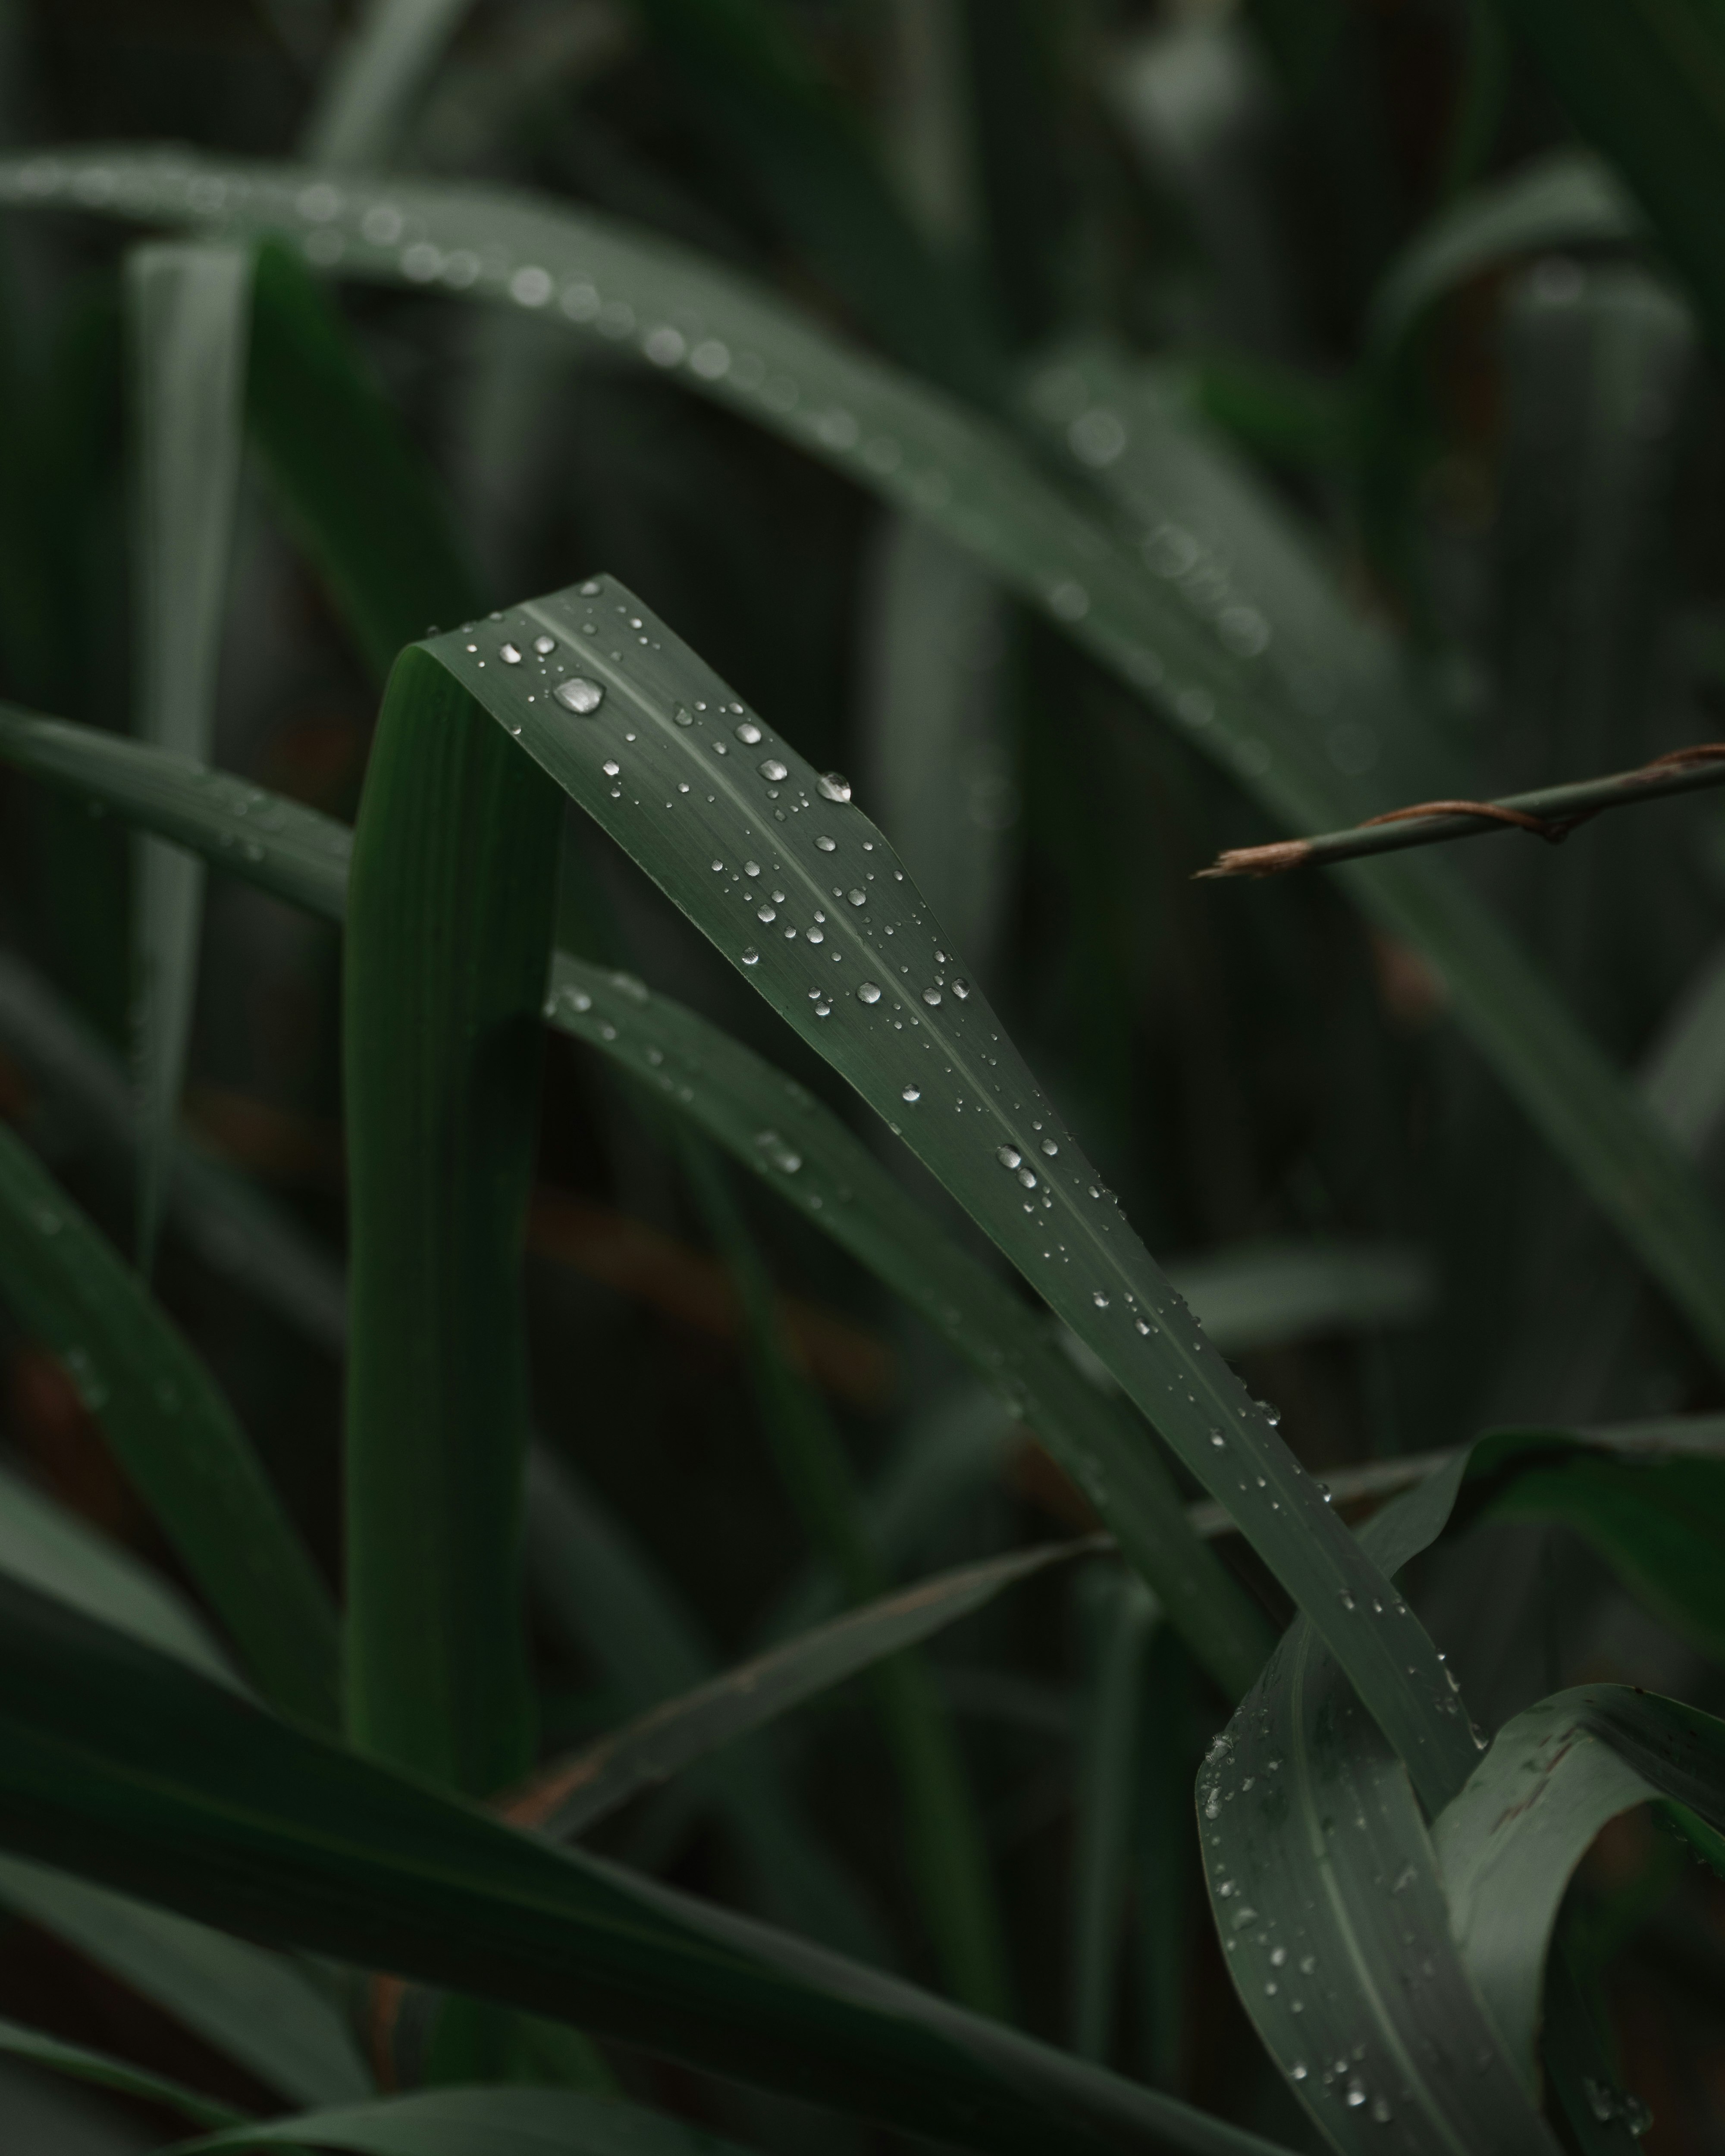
(1551, 814)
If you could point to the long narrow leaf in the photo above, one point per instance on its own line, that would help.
(252, 1823)
(189, 306)
(448, 934)
(80, 2064)
(171, 1431)
(476, 2121)
(566, 1798)
(364, 101)
(255, 2007)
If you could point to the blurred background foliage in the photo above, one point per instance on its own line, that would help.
(1516, 473)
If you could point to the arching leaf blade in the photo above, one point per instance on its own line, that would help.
(363, 101)
(858, 968)
(476, 2121)
(79, 2063)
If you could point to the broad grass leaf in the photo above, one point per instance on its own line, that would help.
(256, 1825)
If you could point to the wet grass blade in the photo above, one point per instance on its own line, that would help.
(80, 2064)
(1184, 638)
(365, 96)
(448, 936)
(1510, 1841)
(763, 1119)
(254, 1825)
(477, 2122)
(188, 308)
(254, 2007)
(173, 1433)
(1122, 1617)
(566, 1798)
(947, 1863)
(808, 899)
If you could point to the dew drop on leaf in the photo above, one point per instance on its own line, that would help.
(509, 654)
(833, 786)
(750, 956)
(1008, 1155)
(869, 993)
(578, 694)
(826, 844)
(931, 997)
(545, 646)
(912, 1093)
(772, 769)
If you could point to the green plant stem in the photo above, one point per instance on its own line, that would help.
(449, 932)
(948, 1862)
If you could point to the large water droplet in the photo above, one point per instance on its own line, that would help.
(748, 733)
(510, 656)
(1356, 2093)
(1099, 1299)
(1049, 1148)
(611, 768)
(826, 844)
(1027, 1178)
(545, 646)
(869, 993)
(858, 897)
(931, 997)
(960, 989)
(773, 769)
(833, 786)
(1008, 1155)
(765, 913)
(578, 694)
(912, 1093)
(750, 956)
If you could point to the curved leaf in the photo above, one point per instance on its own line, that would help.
(251, 1823)
(783, 872)
(1567, 199)
(1509, 1842)
(363, 101)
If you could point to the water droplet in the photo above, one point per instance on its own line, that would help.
(750, 956)
(592, 588)
(1356, 2093)
(782, 1156)
(1297, 2070)
(1278, 1957)
(682, 715)
(752, 868)
(578, 694)
(833, 786)
(1008, 1155)
(1217, 1439)
(931, 997)
(611, 768)
(545, 646)
(1099, 1299)
(508, 654)
(1049, 1148)
(826, 844)
(912, 1093)
(765, 913)
(1140, 1325)
(1027, 1178)
(772, 768)
(961, 990)
(1346, 1600)
(869, 993)
(748, 733)
(858, 897)
(815, 936)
